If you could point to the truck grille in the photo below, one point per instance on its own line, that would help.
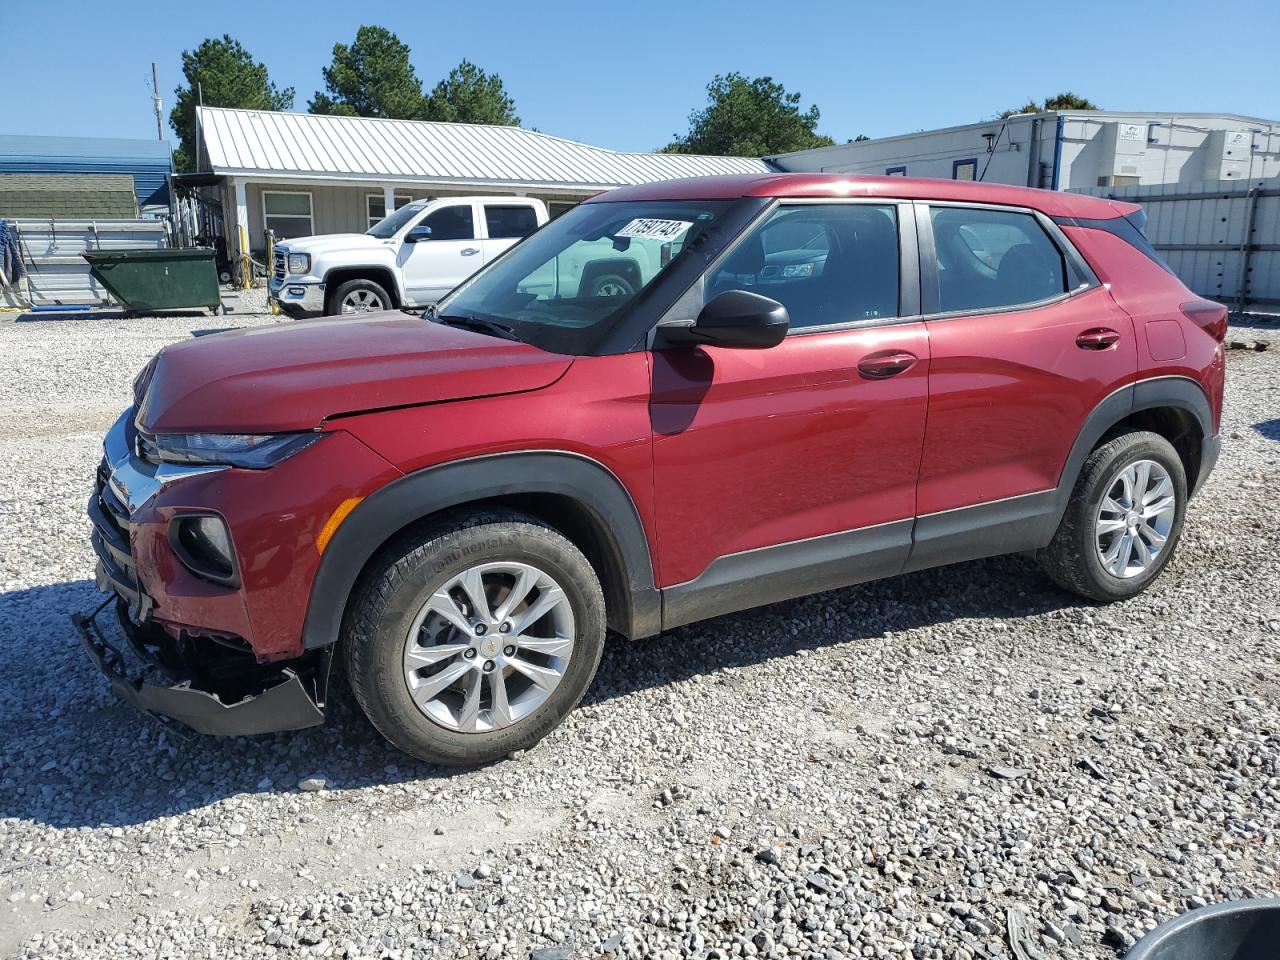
(278, 265)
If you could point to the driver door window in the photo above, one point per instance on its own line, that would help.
(451, 223)
(435, 266)
(827, 264)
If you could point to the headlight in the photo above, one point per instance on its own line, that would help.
(249, 450)
(299, 263)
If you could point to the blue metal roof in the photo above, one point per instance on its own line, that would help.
(147, 160)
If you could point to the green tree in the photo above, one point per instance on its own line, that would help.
(1062, 101)
(749, 118)
(226, 75)
(371, 78)
(470, 95)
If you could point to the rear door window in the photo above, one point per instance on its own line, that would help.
(988, 259)
(506, 222)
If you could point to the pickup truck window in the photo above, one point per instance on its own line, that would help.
(376, 206)
(582, 270)
(451, 223)
(387, 228)
(507, 222)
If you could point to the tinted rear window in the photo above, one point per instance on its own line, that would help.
(507, 222)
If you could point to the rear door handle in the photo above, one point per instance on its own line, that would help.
(469, 251)
(886, 364)
(1099, 338)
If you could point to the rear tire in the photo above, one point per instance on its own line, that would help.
(356, 297)
(509, 687)
(1123, 521)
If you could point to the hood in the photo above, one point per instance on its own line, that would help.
(331, 243)
(292, 376)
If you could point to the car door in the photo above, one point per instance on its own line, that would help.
(434, 266)
(1024, 343)
(506, 224)
(792, 469)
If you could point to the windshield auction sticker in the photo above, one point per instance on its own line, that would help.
(651, 229)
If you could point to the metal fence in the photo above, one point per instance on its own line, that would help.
(1221, 237)
(55, 273)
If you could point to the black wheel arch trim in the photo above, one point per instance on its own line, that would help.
(433, 489)
(1171, 391)
(364, 271)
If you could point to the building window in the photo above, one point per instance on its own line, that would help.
(1152, 130)
(556, 207)
(287, 214)
(375, 205)
(895, 171)
(964, 170)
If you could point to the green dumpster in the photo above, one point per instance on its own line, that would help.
(145, 280)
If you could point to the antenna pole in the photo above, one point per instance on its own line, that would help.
(156, 102)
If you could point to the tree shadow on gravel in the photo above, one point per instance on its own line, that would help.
(1269, 429)
(73, 756)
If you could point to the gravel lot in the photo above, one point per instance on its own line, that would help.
(914, 768)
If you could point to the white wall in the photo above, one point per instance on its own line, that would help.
(934, 153)
(1174, 150)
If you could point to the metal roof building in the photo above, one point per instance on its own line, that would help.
(146, 161)
(307, 173)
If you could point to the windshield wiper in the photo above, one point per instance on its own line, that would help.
(480, 325)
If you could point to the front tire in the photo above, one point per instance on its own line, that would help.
(358, 296)
(1123, 521)
(474, 638)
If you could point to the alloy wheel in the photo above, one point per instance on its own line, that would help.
(489, 646)
(362, 301)
(1135, 519)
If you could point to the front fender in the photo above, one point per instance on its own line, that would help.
(408, 499)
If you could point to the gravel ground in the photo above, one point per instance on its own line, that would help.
(958, 763)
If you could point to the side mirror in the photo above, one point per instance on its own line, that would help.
(736, 318)
(417, 234)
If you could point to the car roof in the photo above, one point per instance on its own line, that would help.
(834, 185)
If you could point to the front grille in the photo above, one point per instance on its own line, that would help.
(144, 446)
(110, 540)
(278, 265)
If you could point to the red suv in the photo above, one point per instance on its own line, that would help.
(790, 383)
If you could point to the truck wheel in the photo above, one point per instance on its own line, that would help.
(358, 296)
(1123, 521)
(611, 285)
(474, 638)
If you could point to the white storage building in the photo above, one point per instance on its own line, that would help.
(1067, 150)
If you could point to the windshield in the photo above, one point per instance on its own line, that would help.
(386, 228)
(583, 270)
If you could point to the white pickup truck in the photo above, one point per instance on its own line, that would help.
(412, 258)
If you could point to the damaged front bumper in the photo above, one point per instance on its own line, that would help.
(218, 701)
(209, 680)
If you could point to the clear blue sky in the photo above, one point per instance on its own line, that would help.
(625, 74)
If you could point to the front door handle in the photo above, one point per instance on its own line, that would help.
(470, 251)
(1098, 338)
(886, 364)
